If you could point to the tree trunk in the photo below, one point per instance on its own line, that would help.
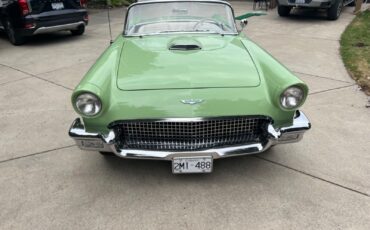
(273, 4)
(358, 6)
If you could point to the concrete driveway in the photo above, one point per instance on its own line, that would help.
(46, 182)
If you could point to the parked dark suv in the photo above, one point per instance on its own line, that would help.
(333, 7)
(23, 18)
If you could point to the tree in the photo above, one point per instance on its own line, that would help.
(358, 6)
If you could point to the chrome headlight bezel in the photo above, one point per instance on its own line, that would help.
(88, 104)
(292, 97)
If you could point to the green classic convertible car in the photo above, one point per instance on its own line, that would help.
(184, 84)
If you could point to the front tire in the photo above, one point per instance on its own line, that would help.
(284, 11)
(107, 154)
(14, 37)
(79, 31)
(335, 10)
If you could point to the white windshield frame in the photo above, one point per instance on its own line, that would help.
(169, 1)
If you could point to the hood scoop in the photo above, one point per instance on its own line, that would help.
(184, 44)
(184, 47)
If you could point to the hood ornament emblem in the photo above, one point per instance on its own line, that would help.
(192, 101)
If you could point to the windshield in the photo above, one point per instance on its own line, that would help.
(179, 17)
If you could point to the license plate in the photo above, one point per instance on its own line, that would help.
(57, 5)
(192, 164)
(300, 1)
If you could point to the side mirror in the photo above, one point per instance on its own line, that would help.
(242, 25)
(243, 19)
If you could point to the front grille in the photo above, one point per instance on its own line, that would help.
(190, 135)
(299, 2)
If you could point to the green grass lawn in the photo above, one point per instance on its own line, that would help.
(355, 50)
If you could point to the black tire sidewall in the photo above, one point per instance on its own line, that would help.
(9, 31)
(79, 31)
(107, 154)
(13, 36)
(284, 11)
(333, 10)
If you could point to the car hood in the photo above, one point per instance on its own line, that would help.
(185, 62)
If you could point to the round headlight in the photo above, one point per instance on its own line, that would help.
(292, 97)
(88, 104)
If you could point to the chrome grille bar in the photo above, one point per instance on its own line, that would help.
(189, 135)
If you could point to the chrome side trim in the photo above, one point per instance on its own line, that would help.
(50, 29)
(191, 119)
(289, 134)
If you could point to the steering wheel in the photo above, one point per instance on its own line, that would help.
(203, 21)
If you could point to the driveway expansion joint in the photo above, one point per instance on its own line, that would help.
(32, 75)
(333, 89)
(318, 76)
(9, 82)
(35, 154)
(64, 67)
(294, 35)
(314, 177)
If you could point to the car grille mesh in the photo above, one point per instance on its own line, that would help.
(189, 135)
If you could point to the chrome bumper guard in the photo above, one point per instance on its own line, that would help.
(106, 143)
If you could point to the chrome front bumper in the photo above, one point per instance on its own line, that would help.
(106, 143)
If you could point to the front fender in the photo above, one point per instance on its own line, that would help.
(101, 78)
(273, 74)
